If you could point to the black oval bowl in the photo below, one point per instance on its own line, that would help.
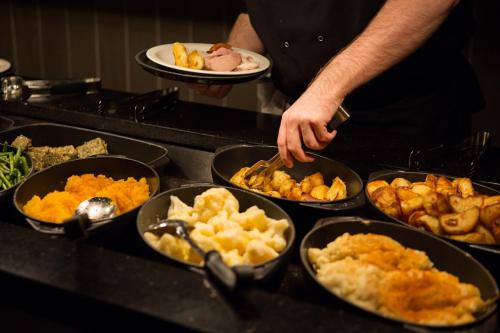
(445, 256)
(7, 194)
(5, 123)
(414, 176)
(228, 160)
(55, 177)
(157, 208)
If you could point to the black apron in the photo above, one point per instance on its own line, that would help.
(433, 86)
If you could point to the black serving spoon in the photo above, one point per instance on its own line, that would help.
(213, 262)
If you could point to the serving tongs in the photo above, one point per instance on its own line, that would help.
(267, 167)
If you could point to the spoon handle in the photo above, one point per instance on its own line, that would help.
(220, 271)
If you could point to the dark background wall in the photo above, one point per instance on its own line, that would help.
(64, 38)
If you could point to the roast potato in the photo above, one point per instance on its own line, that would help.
(431, 180)
(460, 223)
(372, 186)
(319, 192)
(489, 214)
(195, 60)
(430, 223)
(464, 187)
(435, 204)
(479, 235)
(337, 191)
(400, 182)
(421, 188)
(180, 54)
(460, 204)
(411, 205)
(404, 193)
(488, 201)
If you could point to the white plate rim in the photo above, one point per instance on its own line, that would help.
(166, 59)
(5, 65)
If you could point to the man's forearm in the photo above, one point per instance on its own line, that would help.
(400, 27)
(244, 36)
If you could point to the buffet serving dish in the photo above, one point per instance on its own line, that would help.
(55, 177)
(228, 160)
(445, 256)
(414, 176)
(156, 209)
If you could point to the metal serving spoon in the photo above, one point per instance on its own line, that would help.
(212, 259)
(93, 210)
(97, 208)
(15, 88)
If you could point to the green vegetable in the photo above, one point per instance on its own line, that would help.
(13, 167)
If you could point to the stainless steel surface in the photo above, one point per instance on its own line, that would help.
(97, 208)
(275, 162)
(15, 88)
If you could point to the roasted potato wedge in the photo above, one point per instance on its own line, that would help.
(400, 182)
(431, 180)
(337, 191)
(404, 193)
(421, 188)
(430, 223)
(489, 214)
(411, 205)
(435, 204)
(479, 235)
(385, 196)
(372, 186)
(180, 54)
(286, 187)
(445, 186)
(195, 60)
(464, 187)
(461, 204)
(460, 223)
(488, 201)
(319, 192)
(279, 177)
(394, 210)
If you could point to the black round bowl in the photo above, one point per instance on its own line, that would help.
(445, 256)
(414, 176)
(157, 208)
(7, 194)
(228, 160)
(55, 177)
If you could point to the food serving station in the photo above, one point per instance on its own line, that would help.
(112, 280)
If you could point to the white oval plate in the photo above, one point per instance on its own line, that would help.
(163, 55)
(4, 65)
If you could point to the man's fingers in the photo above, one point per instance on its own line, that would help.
(294, 143)
(282, 146)
(309, 138)
(324, 137)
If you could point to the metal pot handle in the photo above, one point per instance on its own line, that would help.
(56, 230)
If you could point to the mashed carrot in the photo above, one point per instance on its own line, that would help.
(57, 206)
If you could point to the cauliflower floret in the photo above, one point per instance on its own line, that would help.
(211, 202)
(233, 239)
(179, 210)
(232, 258)
(253, 217)
(257, 252)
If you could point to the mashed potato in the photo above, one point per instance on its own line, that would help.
(379, 274)
(242, 238)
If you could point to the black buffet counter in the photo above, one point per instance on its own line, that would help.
(111, 280)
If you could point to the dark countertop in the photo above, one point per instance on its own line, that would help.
(112, 280)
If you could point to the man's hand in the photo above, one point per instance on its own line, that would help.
(305, 121)
(217, 91)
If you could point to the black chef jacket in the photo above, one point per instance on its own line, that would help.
(433, 86)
